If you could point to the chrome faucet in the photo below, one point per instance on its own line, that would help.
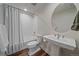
(58, 36)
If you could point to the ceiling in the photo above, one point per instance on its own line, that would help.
(38, 7)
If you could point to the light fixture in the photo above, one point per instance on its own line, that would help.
(25, 9)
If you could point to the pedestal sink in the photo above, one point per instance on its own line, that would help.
(63, 42)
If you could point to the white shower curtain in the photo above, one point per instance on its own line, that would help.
(12, 22)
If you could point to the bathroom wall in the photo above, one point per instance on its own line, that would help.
(27, 22)
(45, 18)
(43, 27)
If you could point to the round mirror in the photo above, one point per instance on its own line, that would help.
(63, 17)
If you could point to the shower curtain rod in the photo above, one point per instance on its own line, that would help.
(28, 12)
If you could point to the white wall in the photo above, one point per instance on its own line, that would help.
(43, 27)
(44, 21)
(27, 23)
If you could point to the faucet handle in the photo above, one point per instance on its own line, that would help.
(62, 36)
(56, 35)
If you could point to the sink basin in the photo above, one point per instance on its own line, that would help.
(65, 42)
